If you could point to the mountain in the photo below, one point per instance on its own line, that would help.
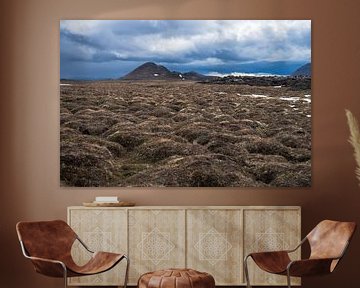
(304, 70)
(150, 71)
(153, 71)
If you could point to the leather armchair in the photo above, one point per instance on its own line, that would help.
(328, 243)
(48, 245)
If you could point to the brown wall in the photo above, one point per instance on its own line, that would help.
(29, 119)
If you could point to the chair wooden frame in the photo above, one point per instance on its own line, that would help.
(315, 265)
(55, 264)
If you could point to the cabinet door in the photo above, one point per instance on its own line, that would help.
(156, 240)
(101, 230)
(214, 244)
(270, 230)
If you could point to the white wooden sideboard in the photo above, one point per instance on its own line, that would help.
(211, 239)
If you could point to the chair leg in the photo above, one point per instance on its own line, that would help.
(246, 270)
(65, 276)
(127, 271)
(288, 278)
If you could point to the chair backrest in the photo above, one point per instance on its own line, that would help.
(46, 239)
(329, 239)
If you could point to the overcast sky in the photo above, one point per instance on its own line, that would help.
(95, 49)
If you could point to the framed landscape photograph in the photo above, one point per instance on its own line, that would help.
(185, 103)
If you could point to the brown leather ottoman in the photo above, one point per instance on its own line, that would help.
(176, 278)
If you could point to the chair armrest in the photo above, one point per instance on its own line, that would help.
(268, 253)
(309, 267)
(298, 246)
(83, 244)
(45, 260)
(271, 261)
(48, 267)
(281, 251)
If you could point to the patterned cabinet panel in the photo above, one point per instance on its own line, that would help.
(214, 244)
(101, 230)
(156, 240)
(267, 230)
(210, 239)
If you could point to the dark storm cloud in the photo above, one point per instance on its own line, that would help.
(81, 40)
(191, 43)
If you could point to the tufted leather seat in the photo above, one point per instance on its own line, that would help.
(176, 278)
